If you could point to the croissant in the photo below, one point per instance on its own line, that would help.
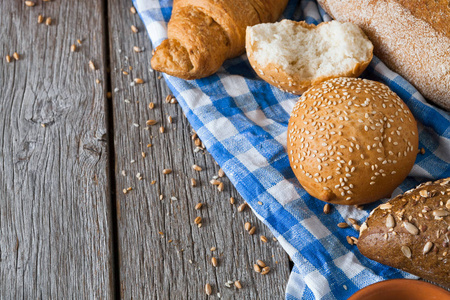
(202, 34)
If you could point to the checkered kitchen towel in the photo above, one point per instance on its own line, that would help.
(243, 122)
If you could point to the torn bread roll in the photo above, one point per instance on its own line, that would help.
(295, 55)
(412, 232)
(351, 141)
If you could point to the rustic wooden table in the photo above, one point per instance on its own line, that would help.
(67, 229)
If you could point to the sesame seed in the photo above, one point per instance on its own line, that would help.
(208, 289)
(349, 240)
(214, 261)
(16, 56)
(196, 168)
(263, 239)
(261, 263)
(48, 21)
(252, 230)
(30, 3)
(238, 284)
(342, 225)
(247, 226)
(91, 65)
(134, 29)
(242, 207)
(167, 171)
(257, 268)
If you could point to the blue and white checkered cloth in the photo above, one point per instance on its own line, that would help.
(243, 122)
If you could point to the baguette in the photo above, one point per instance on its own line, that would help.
(411, 36)
(204, 33)
(412, 231)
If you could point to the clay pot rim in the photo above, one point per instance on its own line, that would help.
(403, 283)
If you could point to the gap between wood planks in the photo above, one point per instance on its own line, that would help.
(111, 157)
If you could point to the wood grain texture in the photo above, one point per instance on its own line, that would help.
(163, 254)
(55, 220)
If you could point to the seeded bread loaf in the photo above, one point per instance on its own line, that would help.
(412, 231)
(293, 56)
(351, 141)
(411, 36)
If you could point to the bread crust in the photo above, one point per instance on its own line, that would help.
(412, 224)
(294, 83)
(411, 36)
(351, 141)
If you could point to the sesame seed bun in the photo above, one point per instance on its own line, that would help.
(351, 141)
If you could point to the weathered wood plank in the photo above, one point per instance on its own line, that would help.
(55, 219)
(163, 254)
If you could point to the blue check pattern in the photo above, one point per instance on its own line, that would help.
(243, 121)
